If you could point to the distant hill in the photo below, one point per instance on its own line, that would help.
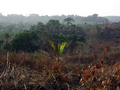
(35, 18)
(113, 18)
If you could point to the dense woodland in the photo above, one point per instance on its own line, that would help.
(59, 53)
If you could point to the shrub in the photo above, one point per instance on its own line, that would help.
(24, 41)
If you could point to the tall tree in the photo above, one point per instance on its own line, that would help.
(95, 15)
(53, 23)
(7, 36)
(68, 21)
(1, 42)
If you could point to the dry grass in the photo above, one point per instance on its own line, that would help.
(30, 71)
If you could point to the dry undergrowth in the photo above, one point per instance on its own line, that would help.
(24, 71)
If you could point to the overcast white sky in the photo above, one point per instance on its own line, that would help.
(59, 7)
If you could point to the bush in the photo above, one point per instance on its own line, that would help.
(7, 46)
(24, 42)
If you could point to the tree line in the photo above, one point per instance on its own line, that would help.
(34, 18)
(37, 36)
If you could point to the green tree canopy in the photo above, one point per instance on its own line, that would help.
(1, 42)
(53, 23)
(6, 36)
(24, 41)
(68, 21)
(67, 38)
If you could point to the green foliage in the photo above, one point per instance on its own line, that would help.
(39, 26)
(36, 53)
(61, 48)
(52, 45)
(62, 38)
(53, 23)
(57, 48)
(81, 43)
(24, 41)
(98, 27)
(115, 48)
(101, 32)
(1, 41)
(117, 36)
(68, 20)
(6, 36)
(7, 46)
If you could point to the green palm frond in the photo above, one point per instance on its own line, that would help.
(52, 45)
(61, 48)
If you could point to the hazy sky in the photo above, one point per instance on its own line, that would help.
(59, 7)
